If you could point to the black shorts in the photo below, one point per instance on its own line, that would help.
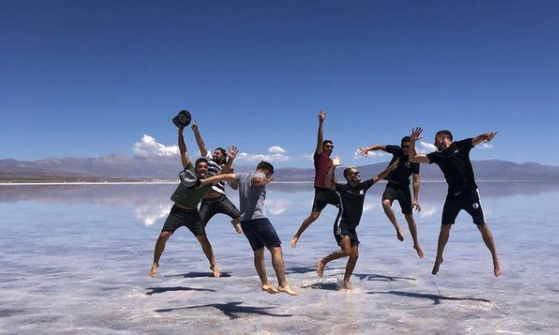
(468, 201)
(323, 197)
(260, 233)
(190, 218)
(402, 194)
(341, 230)
(221, 204)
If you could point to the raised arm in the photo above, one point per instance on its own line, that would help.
(182, 149)
(413, 156)
(199, 140)
(228, 166)
(487, 137)
(330, 181)
(320, 139)
(365, 151)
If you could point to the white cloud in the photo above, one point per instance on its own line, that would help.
(309, 157)
(374, 154)
(369, 206)
(149, 147)
(276, 150)
(149, 214)
(427, 212)
(425, 148)
(275, 154)
(277, 207)
(485, 146)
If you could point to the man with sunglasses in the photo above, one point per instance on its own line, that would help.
(398, 188)
(352, 198)
(323, 195)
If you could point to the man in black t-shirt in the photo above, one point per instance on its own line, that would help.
(352, 198)
(454, 160)
(398, 188)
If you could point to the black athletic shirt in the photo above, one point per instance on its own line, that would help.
(351, 202)
(401, 175)
(455, 164)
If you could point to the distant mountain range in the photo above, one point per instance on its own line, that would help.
(125, 168)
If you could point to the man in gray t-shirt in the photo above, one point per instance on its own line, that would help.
(257, 228)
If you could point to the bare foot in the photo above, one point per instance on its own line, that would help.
(419, 251)
(497, 268)
(438, 263)
(294, 241)
(347, 286)
(237, 226)
(400, 234)
(215, 271)
(320, 268)
(269, 289)
(287, 289)
(153, 271)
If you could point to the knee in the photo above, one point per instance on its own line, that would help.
(354, 255)
(386, 203)
(164, 236)
(314, 216)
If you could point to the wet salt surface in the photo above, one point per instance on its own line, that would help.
(75, 261)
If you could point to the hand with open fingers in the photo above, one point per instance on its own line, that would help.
(363, 151)
(233, 151)
(195, 125)
(337, 161)
(490, 136)
(416, 134)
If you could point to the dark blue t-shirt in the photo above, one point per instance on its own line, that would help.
(455, 164)
(352, 201)
(401, 175)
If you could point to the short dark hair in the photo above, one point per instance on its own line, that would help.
(347, 169)
(201, 159)
(224, 153)
(405, 139)
(265, 166)
(327, 141)
(444, 132)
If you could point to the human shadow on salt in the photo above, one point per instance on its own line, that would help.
(435, 297)
(230, 309)
(200, 275)
(375, 277)
(324, 286)
(157, 290)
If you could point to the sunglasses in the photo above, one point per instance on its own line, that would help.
(328, 146)
(355, 173)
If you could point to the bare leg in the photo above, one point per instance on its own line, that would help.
(277, 262)
(158, 251)
(443, 240)
(387, 206)
(490, 243)
(343, 252)
(353, 256)
(306, 223)
(208, 251)
(413, 232)
(261, 270)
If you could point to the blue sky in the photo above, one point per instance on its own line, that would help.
(91, 78)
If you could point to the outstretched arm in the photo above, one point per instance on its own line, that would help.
(320, 139)
(413, 156)
(182, 149)
(487, 137)
(230, 177)
(199, 140)
(385, 173)
(330, 181)
(365, 151)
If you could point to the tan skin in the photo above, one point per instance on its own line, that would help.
(387, 204)
(320, 147)
(202, 171)
(442, 142)
(276, 252)
(346, 249)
